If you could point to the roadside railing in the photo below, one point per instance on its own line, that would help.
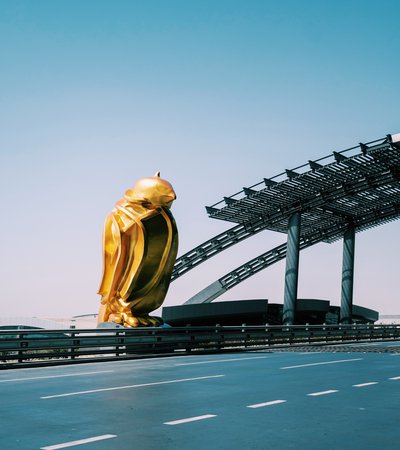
(27, 347)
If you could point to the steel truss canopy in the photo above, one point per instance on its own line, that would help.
(363, 172)
(358, 187)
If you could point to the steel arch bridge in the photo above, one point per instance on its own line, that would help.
(357, 189)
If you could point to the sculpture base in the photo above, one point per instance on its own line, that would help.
(109, 325)
(114, 325)
(136, 349)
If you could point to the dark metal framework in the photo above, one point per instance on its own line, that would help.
(360, 190)
(358, 187)
(246, 270)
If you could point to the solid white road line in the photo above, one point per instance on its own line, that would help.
(190, 419)
(368, 344)
(81, 441)
(322, 363)
(365, 384)
(315, 394)
(219, 360)
(309, 353)
(116, 388)
(56, 376)
(261, 405)
(394, 378)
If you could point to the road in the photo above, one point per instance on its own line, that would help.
(249, 400)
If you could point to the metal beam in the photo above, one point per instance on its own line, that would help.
(248, 191)
(339, 157)
(269, 183)
(208, 294)
(314, 165)
(291, 174)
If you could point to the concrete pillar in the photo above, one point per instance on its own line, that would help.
(346, 304)
(292, 269)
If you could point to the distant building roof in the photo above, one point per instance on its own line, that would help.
(32, 322)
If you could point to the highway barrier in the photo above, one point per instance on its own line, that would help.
(35, 347)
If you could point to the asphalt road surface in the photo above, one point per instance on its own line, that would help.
(249, 400)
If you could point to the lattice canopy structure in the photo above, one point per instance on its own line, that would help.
(324, 187)
(322, 201)
(359, 187)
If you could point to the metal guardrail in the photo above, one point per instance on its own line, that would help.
(27, 347)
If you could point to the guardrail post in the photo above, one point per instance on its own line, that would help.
(119, 341)
(72, 349)
(244, 331)
(20, 352)
(190, 339)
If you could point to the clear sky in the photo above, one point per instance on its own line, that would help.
(216, 94)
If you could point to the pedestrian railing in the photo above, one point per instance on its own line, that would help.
(26, 347)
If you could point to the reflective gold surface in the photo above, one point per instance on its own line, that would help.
(140, 243)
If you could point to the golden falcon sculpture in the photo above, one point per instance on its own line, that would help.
(140, 243)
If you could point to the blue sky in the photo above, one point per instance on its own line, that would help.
(216, 95)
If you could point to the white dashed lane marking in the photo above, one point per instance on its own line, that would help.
(80, 442)
(219, 361)
(261, 405)
(309, 353)
(56, 376)
(322, 363)
(316, 394)
(190, 419)
(365, 384)
(117, 388)
(394, 378)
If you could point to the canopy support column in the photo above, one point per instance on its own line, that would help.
(292, 269)
(346, 304)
